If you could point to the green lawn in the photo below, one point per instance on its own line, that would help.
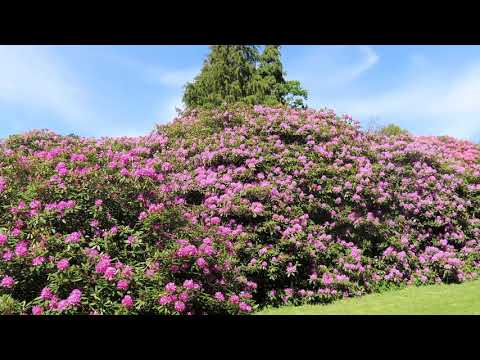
(462, 299)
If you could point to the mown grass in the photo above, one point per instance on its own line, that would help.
(457, 299)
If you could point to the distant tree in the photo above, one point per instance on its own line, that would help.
(239, 73)
(392, 130)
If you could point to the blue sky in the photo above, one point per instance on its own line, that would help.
(126, 90)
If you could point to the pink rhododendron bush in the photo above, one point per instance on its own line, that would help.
(230, 211)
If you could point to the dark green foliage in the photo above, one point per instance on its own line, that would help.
(269, 86)
(224, 77)
(240, 74)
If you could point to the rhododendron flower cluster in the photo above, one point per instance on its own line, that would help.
(230, 211)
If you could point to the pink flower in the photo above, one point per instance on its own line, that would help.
(327, 279)
(21, 249)
(74, 297)
(102, 265)
(201, 263)
(127, 272)
(257, 208)
(91, 253)
(39, 260)
(170, 287)
(37, 310)
(62, 305)
(179, 306)
(110, 273)
(188, 250)
(127, 301)
(98, 202)
(164, 300)
(7, 255)
(122, 285)
(219, 296)
(53, 302)
(183, 296)
(188, 284)
(7, 282)
(3, 239)
(291, 269)
(3, 184)
(341, 278)
(61, 169)
(166, 167)
(215, 220)
(234, 299)
(35, 204)
(73, 237)
(63, 264)
(15, 232)
(245, 307)
(46, 294)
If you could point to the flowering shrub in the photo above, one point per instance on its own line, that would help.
(229, 211)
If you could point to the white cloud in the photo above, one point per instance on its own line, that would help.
(464, 93)
(332, 67)
(172, 78)
(31, 76)
(35, 78)
(368, 59)
(427, 104)
(165, 109)
(154, 73)
(427, 98)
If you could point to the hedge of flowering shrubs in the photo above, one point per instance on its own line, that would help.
(224, 212)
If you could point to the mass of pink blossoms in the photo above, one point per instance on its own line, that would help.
(224, 212)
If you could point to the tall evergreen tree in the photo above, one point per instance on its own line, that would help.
(266, 85)
(230, 74)
(275, 89)
(225, 76)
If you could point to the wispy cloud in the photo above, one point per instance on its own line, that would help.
(367, 59)
(463, 93)
(427, 103)
(172, 78)
(429, 98)
(155, 73)
(33, 77)
(36, 78)
(332, 66)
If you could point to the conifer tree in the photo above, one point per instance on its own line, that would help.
(224, 78)
(269, 84)
(238, 73)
